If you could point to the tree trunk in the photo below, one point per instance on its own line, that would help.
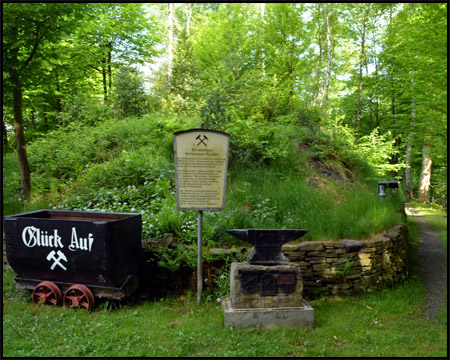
(170, 45)
(109, 67)
(358, 109)
(44, 114)
(105, 87)
(425, 174)
(25, 176)
(377, 92)
(5, 134)
(327, 81)
(263, 65)
(408, 176)
(369, 98)
(291, 82)
(33, 118)
(319, 64)
(391, 73)
(188, 18)
(33, 115)
(58, 98)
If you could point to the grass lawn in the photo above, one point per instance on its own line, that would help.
(385, 323)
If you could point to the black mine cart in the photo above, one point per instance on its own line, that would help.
(72, 256)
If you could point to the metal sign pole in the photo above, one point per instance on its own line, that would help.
(199, 251)
(199, 256)
(201, 163)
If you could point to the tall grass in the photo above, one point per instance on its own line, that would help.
(271, 198)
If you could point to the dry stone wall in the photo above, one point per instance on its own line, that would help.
(340, 267)
(346, 267)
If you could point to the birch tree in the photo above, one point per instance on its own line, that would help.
(361, 62)
(327, 81)
(425, 174)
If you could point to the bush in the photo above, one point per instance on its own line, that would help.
(217, 111)
(85, 109)
(129, 92)
(260, 142)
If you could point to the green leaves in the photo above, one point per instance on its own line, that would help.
(129, 92)
(377, 150)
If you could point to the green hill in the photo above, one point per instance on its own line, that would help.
(280, 175)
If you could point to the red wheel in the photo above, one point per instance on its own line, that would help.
(47, 293)
(79, 296)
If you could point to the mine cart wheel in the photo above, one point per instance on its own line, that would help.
(47, 293)
(79, 296)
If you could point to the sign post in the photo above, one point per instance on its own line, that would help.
(199, 256)
(201, 164)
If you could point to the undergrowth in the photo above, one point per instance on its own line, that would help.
(127, 166)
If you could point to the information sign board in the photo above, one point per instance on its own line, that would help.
(201, 163)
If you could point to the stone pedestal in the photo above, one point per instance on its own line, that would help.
(259, 286)
(265, 296)
(262, 318)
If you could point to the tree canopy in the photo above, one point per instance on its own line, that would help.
(372, 74)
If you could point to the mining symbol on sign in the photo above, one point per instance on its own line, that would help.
(201, 140)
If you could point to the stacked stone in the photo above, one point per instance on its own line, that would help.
(348, 267)
(344, 267)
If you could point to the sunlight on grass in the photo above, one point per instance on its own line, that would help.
(385, 323)
(269, 198)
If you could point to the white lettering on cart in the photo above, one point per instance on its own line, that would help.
(80, 243)
(32, 236)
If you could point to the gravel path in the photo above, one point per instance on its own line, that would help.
(433, 266)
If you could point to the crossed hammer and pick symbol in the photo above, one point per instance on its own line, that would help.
(201, 140)
(61, 256)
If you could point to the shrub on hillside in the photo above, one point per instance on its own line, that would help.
(85, 109)
(129, 92)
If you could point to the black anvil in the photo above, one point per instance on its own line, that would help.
(267, 244)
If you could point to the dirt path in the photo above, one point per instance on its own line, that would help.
(432, 262)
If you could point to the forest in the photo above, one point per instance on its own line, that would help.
(321, 101)
(367, 77)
